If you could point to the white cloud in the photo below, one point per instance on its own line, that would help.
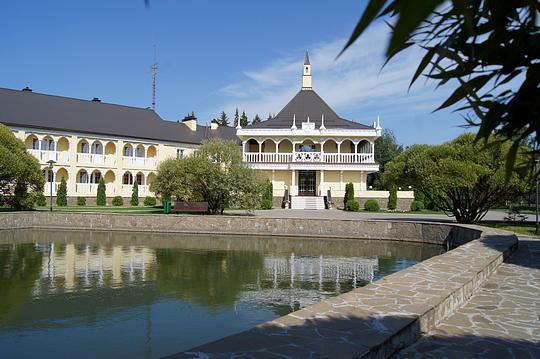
(354, 85)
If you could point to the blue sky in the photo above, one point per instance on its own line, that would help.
(216, 55)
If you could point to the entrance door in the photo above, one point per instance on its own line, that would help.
(306, 183)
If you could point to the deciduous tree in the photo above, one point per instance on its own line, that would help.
(20, 173)
(461, 176)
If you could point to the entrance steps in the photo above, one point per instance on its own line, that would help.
(305, 202)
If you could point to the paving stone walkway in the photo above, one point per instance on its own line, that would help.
(500, 321)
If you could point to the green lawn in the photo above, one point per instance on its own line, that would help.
(526, 228)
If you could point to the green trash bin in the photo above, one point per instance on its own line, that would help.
(167, 207)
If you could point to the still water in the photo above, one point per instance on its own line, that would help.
(100, 294)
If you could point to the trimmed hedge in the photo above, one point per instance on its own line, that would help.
(149, 201)
(81, 201)
(417, 206)
(352, 206)
(118, 201)
(372, 205)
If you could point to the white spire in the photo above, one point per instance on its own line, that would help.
(306, 74)
(293, 127)
(322, 122)
(378, 124)
(238, 126)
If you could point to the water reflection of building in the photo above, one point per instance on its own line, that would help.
(70, 266)
(300, 281)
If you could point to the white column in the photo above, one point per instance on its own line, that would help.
(339, 152)
(260, 151)
(321, 186)
(341, 180)
(322, 152)
(363, 186)
(274, 180)
(356, 160)
(244, 150)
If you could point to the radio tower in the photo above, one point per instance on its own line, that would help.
(154, 76)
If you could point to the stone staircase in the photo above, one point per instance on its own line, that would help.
(303, 202)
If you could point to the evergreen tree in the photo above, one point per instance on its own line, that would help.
(244, 119)
(349, 193)
(61, 195)
(223, 119)
(135, 194)
(269, 116)
(236, 117)
(101, 199)
(392, 199)
(256, 119)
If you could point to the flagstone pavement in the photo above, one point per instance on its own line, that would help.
(501, 321)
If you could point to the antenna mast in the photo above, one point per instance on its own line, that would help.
(154, 76)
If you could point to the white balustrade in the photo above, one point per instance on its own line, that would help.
(270, 157)
(47, 188)
(96, 159)
(44, 156)
(86, 189)
(127, 190)
(146, 162)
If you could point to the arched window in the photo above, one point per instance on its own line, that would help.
(139, 151)
(97, 148)
(83, 177)
(139, 178)
(128, 178)
(128, 151)
(35, 144)
(49, 175)
(84, 147)
(95, 177)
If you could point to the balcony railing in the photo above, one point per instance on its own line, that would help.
(44, 156)
(90, 189)
(127, 190)
(140, 162)
(96, 159)
(307, 157)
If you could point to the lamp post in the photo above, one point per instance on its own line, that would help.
(51, 163)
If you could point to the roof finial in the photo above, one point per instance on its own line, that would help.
(378, 124)
(308, 119)
(238, 125)
(293, 127)
(306, 58)
(322, 122)
(306, 74)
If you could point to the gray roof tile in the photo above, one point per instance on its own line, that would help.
(30, 109)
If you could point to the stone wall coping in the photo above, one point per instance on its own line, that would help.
(374, 321)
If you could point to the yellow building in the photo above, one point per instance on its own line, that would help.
(309, 151)
(89, 140)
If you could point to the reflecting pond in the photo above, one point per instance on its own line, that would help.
(139, 295)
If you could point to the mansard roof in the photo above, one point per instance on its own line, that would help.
(308, 103)
(35, 110)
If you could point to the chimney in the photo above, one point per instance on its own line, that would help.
(214, 125)
(27, 89)
(95, 99)
(191, 122)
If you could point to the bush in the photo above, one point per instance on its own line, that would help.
(266, 204)
(135, 194)
(118, 201)
(149, 201)
(392, 199)
(352, 206)
(41, 200)
(349, 193)
(81, 201)
(101, 199)
(372, 205)
(417, 206)
(61, 195)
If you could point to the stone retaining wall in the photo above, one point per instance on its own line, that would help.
(446, 234)
(374, 321)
